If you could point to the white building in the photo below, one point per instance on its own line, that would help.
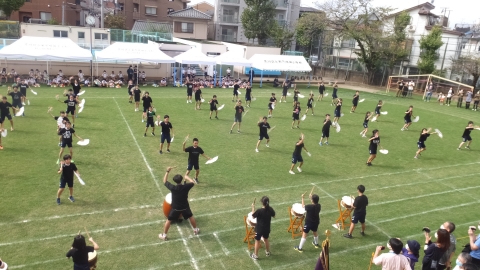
(228, 24)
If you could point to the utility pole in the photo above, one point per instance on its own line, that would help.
(101, 13)
(444, 54)
(63, 13)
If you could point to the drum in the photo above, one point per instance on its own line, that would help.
(347, 202)
(92, 260)
(297, 210)
(250, 220)
(167, 205)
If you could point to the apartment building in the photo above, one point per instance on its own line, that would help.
(45, 10)
(227, 18)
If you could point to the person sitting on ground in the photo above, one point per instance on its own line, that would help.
(275, 82)
(163, 82)
(393, 259)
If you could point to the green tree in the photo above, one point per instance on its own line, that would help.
(9, 6)
(258, 20)
(115, 22)
(282, 37)
(429, 45)
(469, 64)
(309, 28)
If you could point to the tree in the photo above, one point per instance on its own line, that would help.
(282, 37)
(429, 45)
(469, 64)
(115, 21)
(258, 20)
(9, 6)
(309, 28)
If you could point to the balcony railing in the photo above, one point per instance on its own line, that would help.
(231, 1)
(136, 15)
(230, 19)
(282, 3)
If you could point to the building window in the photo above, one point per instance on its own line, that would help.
(60, 34)
(46, 16)
(150, 10)
(170, 10)
(100, 36)
(181, 27)
(81, 34)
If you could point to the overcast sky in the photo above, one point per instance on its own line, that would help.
(461, 11)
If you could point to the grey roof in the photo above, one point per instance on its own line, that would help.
(190, 13)
(309, 9)
(150, 26)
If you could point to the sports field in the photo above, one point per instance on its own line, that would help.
(121, 204)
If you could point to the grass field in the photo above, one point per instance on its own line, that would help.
(121, 205)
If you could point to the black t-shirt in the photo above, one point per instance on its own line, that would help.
(296, 111)
(189, 87)
(326, 125)
(76, 88)
(467, 131)
(179, 195)
(310, 102)
(70, 104)
(193, 153)
(213, 104)
(264, 218)
(147, 102)
(273, 99)
(80, 256)
(23, 87)
(238, 111)
(235, 87)
(166, 127)
(137, 93)
(360, 203)
(366, 119)
(355, 98)
(408, 115)
(285, 87)
(264, 128)
(321, 88)
(338, 107)
(335, 91)
(5, 108)
(377, 109)
(298, 149)
(66, 134)
(295, 93)
(374, 143)
(67, 173)
(248, 91)
(313, 213)
(129, 71)
(130, 86)
(15, 96)
(423, 137)
(71, 94)
(198, 93)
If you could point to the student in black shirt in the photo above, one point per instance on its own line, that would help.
(189, 90)
(130, 73)
(407, 118)
(130, 92)
(310, 104)
(275, 82)
(421, 141)
(67, 169)
(311, 221)
(321, 90)
(198, 98)
(213, 106)
(16, 99)
(271, 104)
(167, 127)
(238, 116)
(338, 111)
(284, 91)
(297, 154)
(147, 103)
(236, 86)
(368, 115)
(334, 94)
(66, 134)
(71, 107)
(180, 204)
(264, 127)
(377, 110)
(325, 130)
(5, 112)
(374, 144)
(136, 93)
(248, 94)
(76, 87)
(296, 114)
(193, 154)
(262, 229)
(23, 89)
(355, 102)
(360, 211)
(466, 135)
(79, 252)
(150, 121)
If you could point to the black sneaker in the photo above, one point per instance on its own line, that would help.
(144, 134)
(315, 245)
(58, 201)
(230, 131)
(153, 134)
(347, 235)
(160, 152)
(369, 164)
(196, 180)
(216, 117)
(298, 249)
(362, 233)
(168, 150)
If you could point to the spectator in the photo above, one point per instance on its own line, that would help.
(474, 245)
(393, 260)
(435, 251)
(470, 266)
(275, 82)
(460, 98)
(462, 259)
(468, 99)
(447, 257)
(411, 251)
(130, 73)
(400, 88)
(411, 85)
(449, 96)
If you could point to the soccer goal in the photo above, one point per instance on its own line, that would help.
(421, 82)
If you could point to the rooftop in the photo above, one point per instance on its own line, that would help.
(190, 13)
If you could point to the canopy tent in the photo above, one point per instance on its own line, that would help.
(231, 58)
(46, 49)
(133, 52)
(192, 57)
(285, 63)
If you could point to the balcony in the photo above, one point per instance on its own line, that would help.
(283, 4)
(235, 2)
(137, 15)
(230, 19)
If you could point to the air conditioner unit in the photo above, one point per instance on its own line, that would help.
(411, 28)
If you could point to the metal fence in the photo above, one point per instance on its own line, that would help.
(9, 29)
(138, 36)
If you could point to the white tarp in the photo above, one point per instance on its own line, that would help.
(133, 52)
(46, 49)
(289, 63)
(232, 58)
(194, 56)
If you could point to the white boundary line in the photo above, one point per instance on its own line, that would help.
(224, 248)
(192, 259)
(139, 149)
(254, 261)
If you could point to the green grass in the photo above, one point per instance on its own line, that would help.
(121, 204)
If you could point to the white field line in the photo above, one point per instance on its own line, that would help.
(139, 149)
(192, 259)
(459, 190)
(325, 182)
(80, 214)
(224, 248)
(254, 261)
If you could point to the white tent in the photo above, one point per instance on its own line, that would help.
(194, 56)
(133, 52)
(231, 58)
(287, 63)
(45, 49)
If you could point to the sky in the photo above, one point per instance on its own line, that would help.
(461, 11)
